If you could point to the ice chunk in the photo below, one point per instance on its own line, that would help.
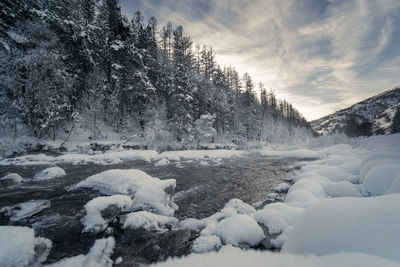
(94, 220)
(25, 209)
(147, 221)
(49, 173)
(205, 244)
(239, 229)
(358, 225)
(18, 246)
(99, 255)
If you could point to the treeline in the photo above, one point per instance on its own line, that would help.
(72, 64)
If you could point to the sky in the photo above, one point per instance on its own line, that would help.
(320, 55)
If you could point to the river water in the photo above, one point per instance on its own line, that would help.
(200, 192)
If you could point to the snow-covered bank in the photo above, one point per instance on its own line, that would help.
(235, 257)
(328, 209)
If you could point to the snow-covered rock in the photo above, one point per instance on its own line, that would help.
(147, 221)
(94, 221)
(20, 247)
(162, 162)
(239, 229)
(99, 255)
(49, 173)
(240, 206)
(205, 244)
(25, 209)
(10, 179)
(149, 193)
(282, 187)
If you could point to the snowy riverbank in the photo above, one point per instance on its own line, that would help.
(343, 208)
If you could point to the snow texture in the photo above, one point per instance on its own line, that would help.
(205, 244)
(15, 177)
(359, 225)
(49, 173)
(147, 221)
(18, 246)
(148, 193)
(239, 229)
(25, 209)
(235, 257)
(99, 255)
(93, 221)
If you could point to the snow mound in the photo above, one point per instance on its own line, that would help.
(162, 162)
(358, 225)
(239, 229)
(379, 179)
(205, 244)
(25, 209)
(49, 173)
(148, 193)
(282, 187)
(18, 246)
(99, 255)
(94, 221)
(240, 206)
(238, 258)
(15, 177)
(147, 221)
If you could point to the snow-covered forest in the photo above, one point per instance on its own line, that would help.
(81, 66)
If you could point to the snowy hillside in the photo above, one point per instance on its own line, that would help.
(371, 116)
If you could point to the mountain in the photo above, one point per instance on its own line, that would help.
(371, 116)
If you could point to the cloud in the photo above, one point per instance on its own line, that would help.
(322, 55)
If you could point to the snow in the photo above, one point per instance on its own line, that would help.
(99, 255)
(49, 173)
(201, 154)
(111, 157)
(282, 187)
(379, 179)
(250, 232)
(25, 209)
(240, 206)
(205, 244)
(162, 162)
(235, 257)
(18, 246)
(359, 225)
(15, 177)
(147, 221)
(148, 193)
(93, 221)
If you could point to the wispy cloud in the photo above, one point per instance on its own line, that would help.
(321, 55)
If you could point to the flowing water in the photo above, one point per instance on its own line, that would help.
(200, 192)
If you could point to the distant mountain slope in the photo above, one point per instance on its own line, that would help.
(371, 116)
